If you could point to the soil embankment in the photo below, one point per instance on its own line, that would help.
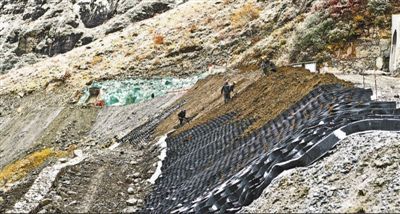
(262, 97)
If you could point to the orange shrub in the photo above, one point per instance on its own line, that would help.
(158, 39)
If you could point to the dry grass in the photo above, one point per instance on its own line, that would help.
(245, 14)
(20, 168)
(192, 28)
(158, 39)
(358, 18)
(96, 60)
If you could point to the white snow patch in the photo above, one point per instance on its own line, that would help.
(115, 145)
(321, 123)
(163, 144)
(340, 134)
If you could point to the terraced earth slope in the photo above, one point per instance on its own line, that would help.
(213, 168)
(262, 97)
(57, 156)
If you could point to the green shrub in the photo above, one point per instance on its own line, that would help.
(379, 7)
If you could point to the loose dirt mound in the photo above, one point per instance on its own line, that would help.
(262, 98)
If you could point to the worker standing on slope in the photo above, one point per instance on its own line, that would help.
(267, 66)
(182, 116)
(226, 91)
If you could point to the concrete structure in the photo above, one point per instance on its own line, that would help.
(311, 66)
(395, 48)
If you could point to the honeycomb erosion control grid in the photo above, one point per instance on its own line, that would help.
(212, 168)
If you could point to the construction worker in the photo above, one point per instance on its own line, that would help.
(267, 66)
(226, 91)
(182, 116)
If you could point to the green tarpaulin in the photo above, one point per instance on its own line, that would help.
(131, 91)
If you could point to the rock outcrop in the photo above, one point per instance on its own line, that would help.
(34, 29)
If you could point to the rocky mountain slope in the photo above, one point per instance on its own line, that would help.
(51, 51)
(33, 30)
(197, 34)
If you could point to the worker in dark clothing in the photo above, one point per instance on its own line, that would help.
(267, 66)
(226, 91)
(182, 116)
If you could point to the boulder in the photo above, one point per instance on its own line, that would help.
(132, 201)
(95, 13)
(146, 10)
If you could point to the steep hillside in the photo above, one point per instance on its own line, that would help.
(256, 96)
(90, 91)
(32, 31)
(193, 36)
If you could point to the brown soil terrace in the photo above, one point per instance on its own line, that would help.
(262, 97)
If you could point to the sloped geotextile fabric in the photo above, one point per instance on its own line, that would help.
(213, 168)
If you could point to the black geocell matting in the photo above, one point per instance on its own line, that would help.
(146, 130)
(211, 168)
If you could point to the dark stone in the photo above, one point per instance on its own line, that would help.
(93, 15)
(184, 50)
(29, 40)
(13, 37)
(115, 27)
(64, 43)
(86, 40)
(55, 13)
(73, 23)
(54, 44)
(149, 11)
(35, 14)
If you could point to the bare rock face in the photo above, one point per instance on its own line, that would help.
(35, 9)
(148, 10)
(34, 29)
(47, 40)
(94, 13)
(12, 7)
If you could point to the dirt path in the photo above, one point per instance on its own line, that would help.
(101, 182)
(92, 190)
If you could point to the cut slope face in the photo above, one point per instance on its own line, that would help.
(260, 97)
(211, 168)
